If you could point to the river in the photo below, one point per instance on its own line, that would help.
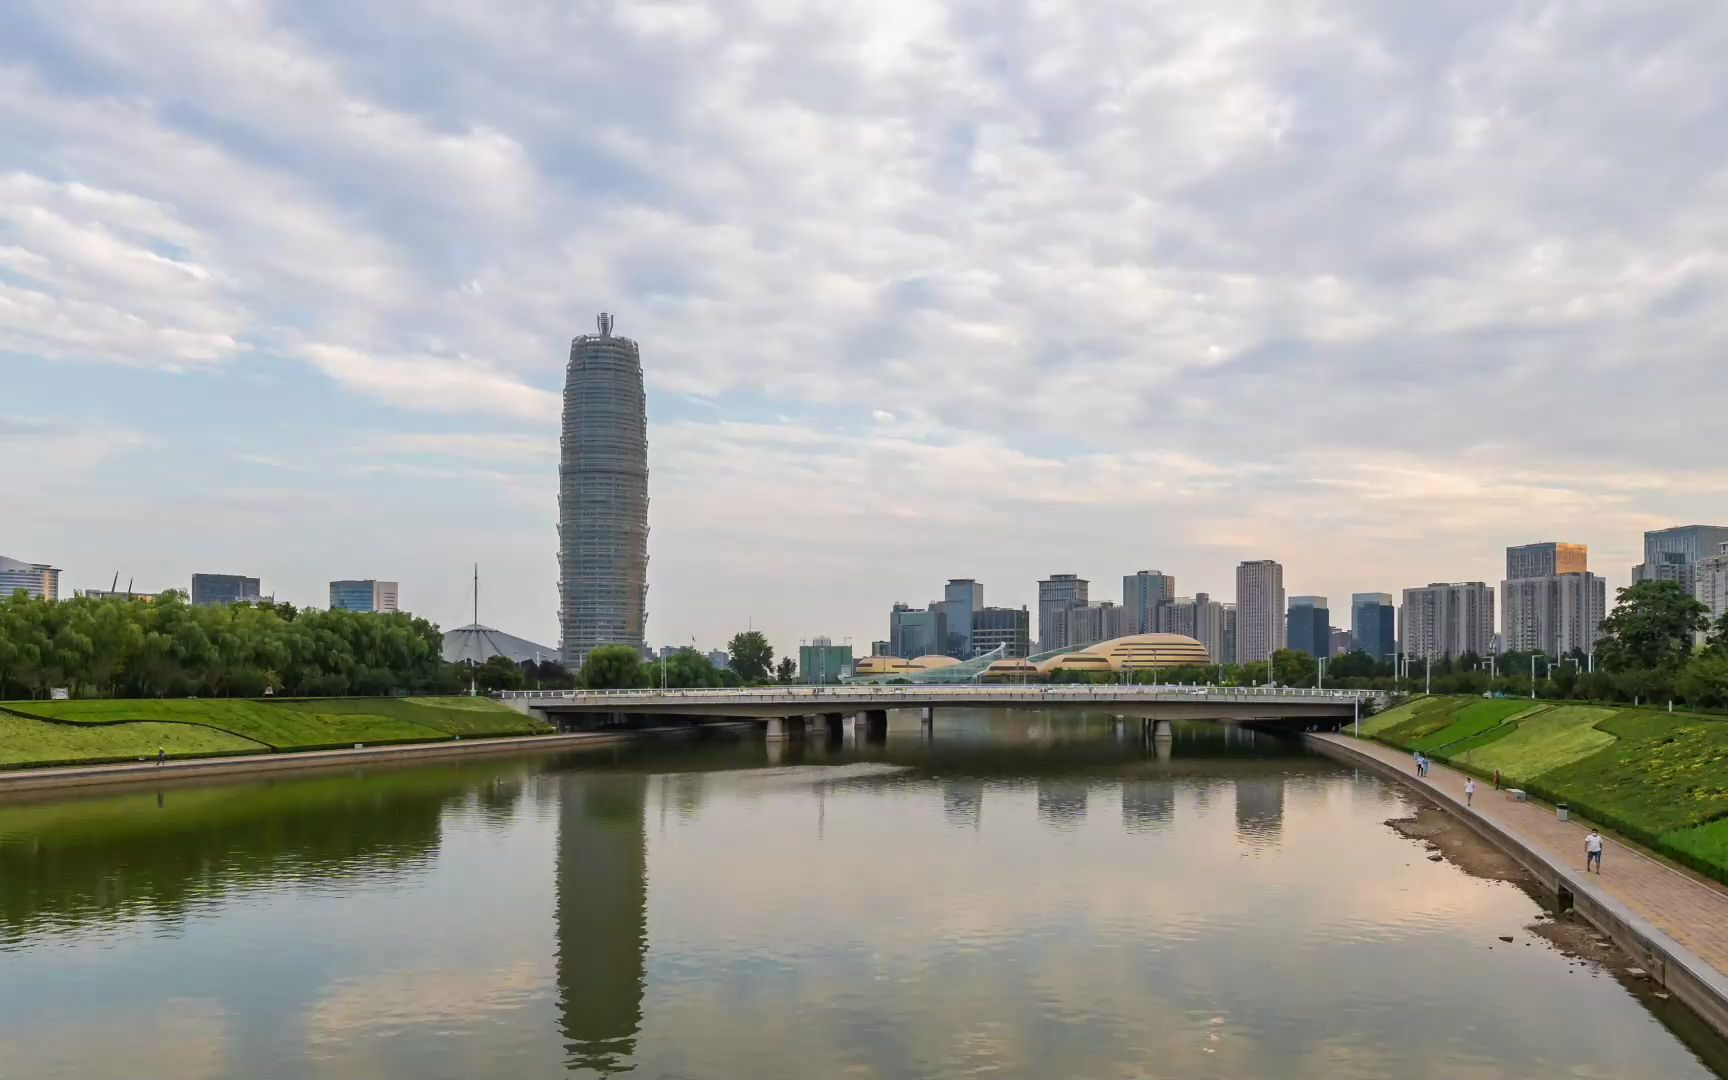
(1021, 896)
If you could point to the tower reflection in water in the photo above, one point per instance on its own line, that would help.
(601, 917)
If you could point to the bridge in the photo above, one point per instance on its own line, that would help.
(790, 710)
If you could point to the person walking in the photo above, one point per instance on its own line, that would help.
(1496, 779)
(1469, 790)
(1593, 851)
(161, 754)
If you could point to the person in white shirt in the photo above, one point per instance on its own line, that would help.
(1469, 790)
(1593, 851)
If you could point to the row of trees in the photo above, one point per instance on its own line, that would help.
(129, 648)
(169, 648)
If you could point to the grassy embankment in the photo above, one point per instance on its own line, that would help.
(1657, 778)
(86, 732)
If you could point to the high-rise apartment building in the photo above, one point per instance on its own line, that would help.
(1546, 559)
(1259, 610)
(364, 595)
(1055, 596)
(1179, 616)
(1227, 640)
(1092, 623)
(1673, 554)
(224, 589)
(1308, 626)
(960, 598)
(1010, 627)
(1374, 625)
(602, 497)
(1441, 620)
(39, 580)
(1710, 586)
(1144, 595)
(1557, 615)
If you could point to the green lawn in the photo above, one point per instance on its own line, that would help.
(467, 717)
(1547, 740)
(24, 741)
(1665, 772)
(276, 725)
(1391, 718)
(1473, 719)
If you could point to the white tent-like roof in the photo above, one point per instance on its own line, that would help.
(475, 644)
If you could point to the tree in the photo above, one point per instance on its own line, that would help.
(1718, 640)
(1292, 667)
(1651, 627)
(1704, 681)
(613, 667)
(787, 671)
(750, 655)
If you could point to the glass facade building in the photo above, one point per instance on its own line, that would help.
(1308, 626)
(39, 580)
(1374, 625)
(367, 595)
(602, 497)
(224, 589)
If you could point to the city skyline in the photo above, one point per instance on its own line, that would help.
(277, 313)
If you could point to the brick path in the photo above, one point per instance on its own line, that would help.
(1689, 909)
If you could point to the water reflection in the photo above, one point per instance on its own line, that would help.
(963, 801)
(1259, 809)
(1061, 803)
(601, 917)
(1147, 804)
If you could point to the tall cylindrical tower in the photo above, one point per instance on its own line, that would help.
(602, 497)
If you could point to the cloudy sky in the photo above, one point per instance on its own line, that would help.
(923, 290)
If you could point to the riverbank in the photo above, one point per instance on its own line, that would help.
(1674, 924)
(89, 732)
(1657, 778)
(59, 778)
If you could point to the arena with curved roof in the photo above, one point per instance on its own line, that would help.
(1137, 652)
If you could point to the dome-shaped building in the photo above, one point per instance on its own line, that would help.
(1141, 652)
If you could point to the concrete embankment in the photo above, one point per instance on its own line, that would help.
(1677, 969)
(85, 776)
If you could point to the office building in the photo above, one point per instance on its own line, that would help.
(224, 589)
(367, 595)
(1178, 616)
(1674, 554)
(1374, 625)
(1009, 627)
(602, 497)
(1144, 595)
(915, 632)
(719, 659)
(881, 648)
(1711, 587)
(39, 580)
(1340, 641)
(1055, 596)
(1441, 620)
(1308, 626)
(1227, 639)
(1212, 630)
(960, 598)
(821, 662)
(1259, 610)
(1556, 615)
(1546, 560)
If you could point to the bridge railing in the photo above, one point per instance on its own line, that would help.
(926, 693)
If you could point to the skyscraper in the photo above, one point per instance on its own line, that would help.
(602, 496)
(1144, 595)
(1711, 587)
(960, 598)
(1308, 626)
(1550, 602)
(1259, 610)
(1542, 560)
(1055, 596)
(1673, 554)
(1374, 625)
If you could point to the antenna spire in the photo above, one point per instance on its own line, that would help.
(476, 594)
(605, 324)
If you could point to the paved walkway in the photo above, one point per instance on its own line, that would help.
(1688, 908)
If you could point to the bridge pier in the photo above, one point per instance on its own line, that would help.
(927, 720)
(876, 726)
(836, 724)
